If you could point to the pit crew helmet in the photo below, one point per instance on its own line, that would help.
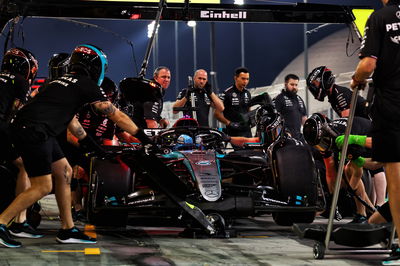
(92, 59)
(21, 61)
(110, 89)
(315, 131)
(58, 65)
(184, 142)
(269, 124)
(319, 81)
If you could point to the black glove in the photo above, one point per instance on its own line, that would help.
(234, 125)
(148, 144)
(144, 139)
(208, 90)
(225, 137)
(89, 145)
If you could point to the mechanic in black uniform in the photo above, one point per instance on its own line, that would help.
(236, 101)
(148, 114)
(18, 70)
(321, 83)
(316, 134)
(39, 122)
(380, 55)
(291, 106)
(204, 97)
(96, 124)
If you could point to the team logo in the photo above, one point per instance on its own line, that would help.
(234, 94)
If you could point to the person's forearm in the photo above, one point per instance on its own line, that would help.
(179, 103)
(217, 103)
(76, 129)
(220, 117)
(364, 69)
(151, 123)
(124, 122)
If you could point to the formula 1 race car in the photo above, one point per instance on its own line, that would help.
(190, 175)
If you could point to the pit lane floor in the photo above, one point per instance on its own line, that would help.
(259, 242)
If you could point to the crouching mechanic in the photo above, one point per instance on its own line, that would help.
(39, 122)
(321, 133)
(382, 214)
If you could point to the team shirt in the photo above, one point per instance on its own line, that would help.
(202, 102)
(292, 108)
(360, 126)
(12, 87)
(236, 104)
(340, 99)
(58, 102)
(98, 126)
(382, 41)
(139, 111)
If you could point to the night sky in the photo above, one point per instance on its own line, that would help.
(269, 47)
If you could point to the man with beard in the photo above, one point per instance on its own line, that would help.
(291, 106)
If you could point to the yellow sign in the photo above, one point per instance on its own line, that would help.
(168, 1)
(362, 16)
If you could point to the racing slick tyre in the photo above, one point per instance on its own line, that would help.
(296, 183)
(109, 179)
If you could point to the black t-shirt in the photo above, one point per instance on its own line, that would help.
(12, 87)
(292, 108)
(58, 102)
(139, 111)
(236, 104)
(361, 126)
(98, 126)
(340, 100)
(382, 41)
(202, 102)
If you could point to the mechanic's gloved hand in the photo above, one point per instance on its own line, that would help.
(360, 161)
(353, 139)
(226, 138)
(89, 145)
(148, 144)
(208, 90)
(234, 125)
(144, 139)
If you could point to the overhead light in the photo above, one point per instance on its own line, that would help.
(191, 23)
(150, 29)
(239, 2)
